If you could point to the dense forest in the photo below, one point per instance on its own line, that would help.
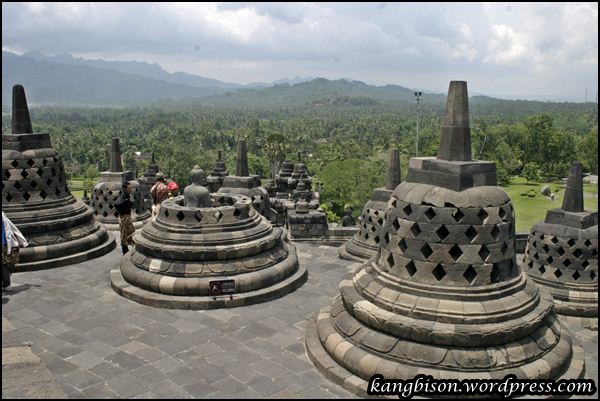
(344, 137)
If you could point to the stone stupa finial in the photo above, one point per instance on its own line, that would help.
(573, 200)
(116, 164)
(455, 143)
(21, 123)
(393, 174)
(241, 168)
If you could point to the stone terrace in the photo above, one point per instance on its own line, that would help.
(97, 344)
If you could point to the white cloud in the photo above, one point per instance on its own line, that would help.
(507, 47)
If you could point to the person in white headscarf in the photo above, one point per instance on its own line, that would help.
(12, 239)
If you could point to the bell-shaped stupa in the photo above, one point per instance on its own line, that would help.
(562, 255)
(36, 198)
(207, 251)
(444, 295)
(366, 242)
(110, 186)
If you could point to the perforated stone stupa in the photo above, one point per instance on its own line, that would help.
(108, 189)
(562, 255)
(218, 174)
(366, 242)
(147, 181)
(281, 180)
(35, 196)
(242, 183)
(190, 255)
(290, 186)
(444, 295)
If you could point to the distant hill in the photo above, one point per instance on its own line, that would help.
(292, 81)
(48, 82)
(316, 93)
(155, 71)
(350, 96)
(144, 69)
(72, 82)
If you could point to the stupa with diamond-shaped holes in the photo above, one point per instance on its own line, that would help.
(444, 296)
(365, 243)
(562, 255)
(110, 186)
(36, 198)
(188, 251)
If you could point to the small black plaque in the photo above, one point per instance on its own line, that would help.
(221, 287)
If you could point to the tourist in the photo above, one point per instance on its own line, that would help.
(173, 189)
(123, 206)
(159, 192)
(12, 239)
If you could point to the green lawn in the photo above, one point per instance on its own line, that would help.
(76, 187)
(531, 210)
(528, 210)
(78, 194)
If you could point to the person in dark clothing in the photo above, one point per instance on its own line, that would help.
(123, 206)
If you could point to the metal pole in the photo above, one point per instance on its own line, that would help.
(418, 101)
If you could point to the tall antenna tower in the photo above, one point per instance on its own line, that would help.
(418, 102)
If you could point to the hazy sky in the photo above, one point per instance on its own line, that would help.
(537, 50)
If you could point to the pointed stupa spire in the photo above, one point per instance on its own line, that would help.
(573, 200)
(116, 164)
(455, 143)
(241, 168)
(219, 156)
(21, 123)
(153, 161)
(393, 173)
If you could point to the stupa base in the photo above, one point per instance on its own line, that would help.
(338, 374)
(39, 253)
(355, 252)
(168, 301)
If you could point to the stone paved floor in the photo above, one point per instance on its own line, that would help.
(97, 344)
